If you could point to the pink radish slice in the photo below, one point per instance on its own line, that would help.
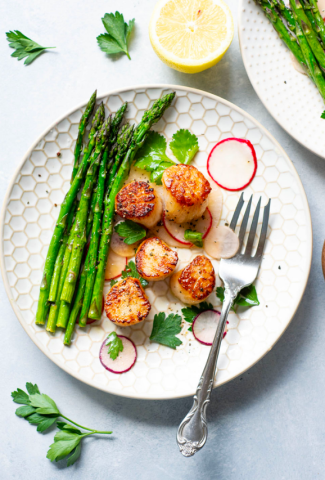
(120, 248)
(125, 359)
(177, 232)
(205, 325)
(162, 233)
(221, 243)
(115, 265)
(232, 164)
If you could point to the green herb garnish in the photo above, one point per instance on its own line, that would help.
(115, 345)
(24, 47)
(189, 313)
(247, 297)
(164, 329)
(131, 271)
(39, 409)
(323, 115)
(194, 237)
(184, 146)
(152, 156)
(117, 38)
(131, 232)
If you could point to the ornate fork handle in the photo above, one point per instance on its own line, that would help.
(193, 431)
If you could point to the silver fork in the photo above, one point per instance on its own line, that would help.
(237, 273)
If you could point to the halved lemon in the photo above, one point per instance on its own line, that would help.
(191, 35)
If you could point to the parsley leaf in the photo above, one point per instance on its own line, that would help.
(131, 271)
(247, 297)
(194, 237)
(24, 47)
(115, 345)
(189, 313)
(184, 146)
(152, 156)
(39, 409)
(118, 34)
(323, 115)
(131, 232)
(164, 329)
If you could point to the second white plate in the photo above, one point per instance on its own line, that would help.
(290, 97)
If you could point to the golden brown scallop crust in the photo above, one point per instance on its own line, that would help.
(136, 200)
(155, 260)
(198, 278)
(187, 184)
(126, 303)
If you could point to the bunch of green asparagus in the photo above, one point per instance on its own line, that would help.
(302, 29)
(73, 278)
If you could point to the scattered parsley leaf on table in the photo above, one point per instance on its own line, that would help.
(184, 146)
(118, 34)
(152, 156)
(164, 329)
(194, 237)
(323, 115)
(25, 47)
(189, 313)
(131, 232)
(247, 297)
(39, 409)
(115, 345)
(131, 271)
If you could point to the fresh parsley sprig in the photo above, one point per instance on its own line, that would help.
(184, 146)
(39, 409)
(323, 115)
(247, 297)
(152, 156)
(165, 328)
(189, 313)
(194, 237)
(24, 47)
(117, 38)
(131, 271)
(115, 345)
(131, 232)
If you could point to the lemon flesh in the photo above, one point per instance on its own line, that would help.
(191, 35)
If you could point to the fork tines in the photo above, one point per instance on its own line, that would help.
(252, 232)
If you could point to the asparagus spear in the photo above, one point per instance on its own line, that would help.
(317, 75)
(123, 142)
(149, 118)
(300, 16)
(286, 13)
(78, 302)
(320, 25)
(288, 38)
(80, 236)
(81, 131)
(54, 310)
(43, 305)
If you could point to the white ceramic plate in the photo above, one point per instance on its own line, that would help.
(290, 97)
(28, 218)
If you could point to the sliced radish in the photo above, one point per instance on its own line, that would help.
(177, 232)
(120, 248)
(125, 359)
(232, 163)
(222, 242)
(162, 233)
(215, 206)
(115, 265)
(205, 325)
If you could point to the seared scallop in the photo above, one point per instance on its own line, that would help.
(185, 193)
(126, 303)
(138, 201)
(155, 260)
(195, 282)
